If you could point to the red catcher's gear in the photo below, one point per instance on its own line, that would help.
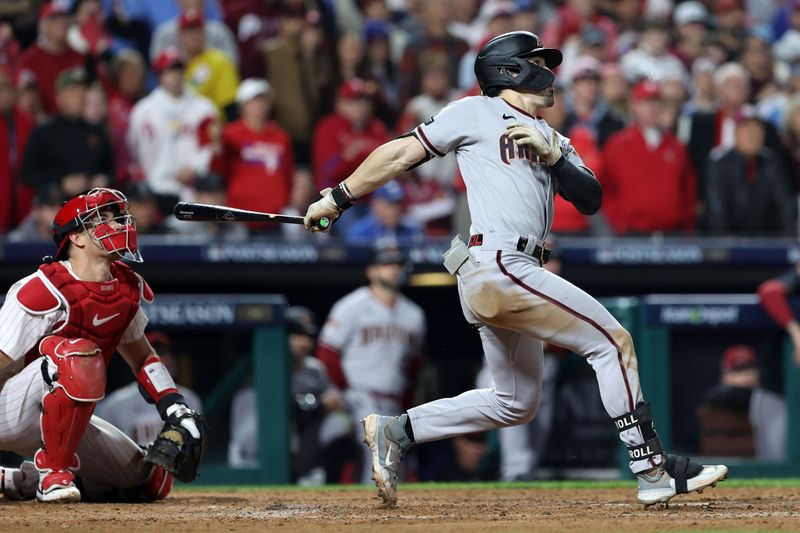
(158, 485)
(83, 212)
(98, 311)
(63, 423)
(79, 365)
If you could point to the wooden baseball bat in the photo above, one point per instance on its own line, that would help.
(194, 212)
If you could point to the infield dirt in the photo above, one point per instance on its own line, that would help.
(429, 510)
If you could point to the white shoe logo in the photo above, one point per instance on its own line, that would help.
(388, 461)
(100, 321)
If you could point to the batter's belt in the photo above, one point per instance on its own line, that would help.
(511, 242)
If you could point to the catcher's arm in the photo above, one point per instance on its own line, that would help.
(180, 446)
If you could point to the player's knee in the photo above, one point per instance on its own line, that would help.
(77, 366)
(624, 341)
(519, 409)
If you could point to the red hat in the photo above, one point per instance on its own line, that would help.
(724, 6)
(353, 88)
(738, 357)
(53, 8)
(192, 18)
(168, 58)
(646, 90)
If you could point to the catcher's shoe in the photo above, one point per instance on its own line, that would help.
(677, 475)
(386, 437)
(19, 483)
(57, 486)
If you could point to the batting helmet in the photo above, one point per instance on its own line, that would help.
(116, 235)
(509, 52)
(301, 321)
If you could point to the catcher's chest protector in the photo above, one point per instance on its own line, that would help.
(98, 311)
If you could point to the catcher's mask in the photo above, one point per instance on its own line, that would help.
(116, 235)
(503, 63)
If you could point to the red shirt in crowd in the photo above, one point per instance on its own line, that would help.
(566, 218)
(258, 165)
(119, 118)
(647, 190)
(45, 68)
(335, 139)
(15, 198)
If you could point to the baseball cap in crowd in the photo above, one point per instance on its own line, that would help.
(523, 6)
(54, 9)
(170, 57)
(158, 339)
(688, 12)
(70, 77)
(386, 252)
(209, 183)
(49, 195)
(738, 357)
(586, 67)
(191, 18)
(301, 321)
(137, 191)
(391, 192)
(252, 87)
(375, 29)
(646, 90)
(703, 65)
(593, 36)
(726, 6)
(353, 88)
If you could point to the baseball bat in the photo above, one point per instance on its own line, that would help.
(194, 212)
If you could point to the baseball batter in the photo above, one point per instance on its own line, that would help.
(58, 329)
(513, 164)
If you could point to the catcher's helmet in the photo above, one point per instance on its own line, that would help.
(509, 51)
(84, 212)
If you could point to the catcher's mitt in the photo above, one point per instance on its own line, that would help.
(181, 444)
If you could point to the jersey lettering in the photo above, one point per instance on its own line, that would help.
(510, 150)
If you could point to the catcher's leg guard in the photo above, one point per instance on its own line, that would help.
(78, 382)
(159, 485)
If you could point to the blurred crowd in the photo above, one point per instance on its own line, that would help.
(687, 111)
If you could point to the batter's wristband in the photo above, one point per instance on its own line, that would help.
(342, 197)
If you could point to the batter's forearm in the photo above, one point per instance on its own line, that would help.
(578, 186)
(384, 164)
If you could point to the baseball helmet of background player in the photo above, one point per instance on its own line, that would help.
(387, 253)
(502, 63)
(83, 212)
(301, 321)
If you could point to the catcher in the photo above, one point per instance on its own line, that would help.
(58, 329)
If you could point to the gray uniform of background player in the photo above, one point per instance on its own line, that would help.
(516, 303)
(376, 344)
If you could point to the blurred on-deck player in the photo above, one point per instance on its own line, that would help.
(58, 329)
(373, 339)
(129, 411)
(513, 163)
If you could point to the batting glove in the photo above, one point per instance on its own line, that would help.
(549, 150)
(324, 207)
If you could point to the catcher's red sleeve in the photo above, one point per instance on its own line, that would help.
(333, 364)
(773, 294)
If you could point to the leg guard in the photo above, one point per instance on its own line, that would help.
(79, 367)
(642, 419)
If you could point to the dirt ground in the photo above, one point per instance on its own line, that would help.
(428, 510)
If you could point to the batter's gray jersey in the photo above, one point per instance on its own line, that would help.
(508, 189)
(127, 409)
(376, 342)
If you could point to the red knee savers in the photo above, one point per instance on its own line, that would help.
(80, 368)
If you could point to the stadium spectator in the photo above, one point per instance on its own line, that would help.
(127, 409)
(592, 43)
(29, 101)
(641, 163)
(172, 134)
(87, 35)
(526, 16)
(765, 91)
(66, 150)
(304, 190)
(95, 107)
(691, 22)
(125, 88)
(300, 70)
(377, 67)
(10, 48)
(787, 47)
(385, 219)
(572, 17)
(37, 225)
(498, 16)
(614, 88)
(218, 35)
(748, 189)
(349, 55)
(731, 19)
(257, 154)
(253, 22)
(435, 36)
(322, 434)
(343, 139)
(715, 130)
(15, 127)
(44, 61)
(652, 59)
(738, 377)
(587, 109)
(436, 93)
(208, 70)
(704, 97)
(142, 205)
(791, 138)
(372, 343)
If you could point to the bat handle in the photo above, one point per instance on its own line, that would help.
(324, 223)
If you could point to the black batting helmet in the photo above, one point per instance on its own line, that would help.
(509, 51)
